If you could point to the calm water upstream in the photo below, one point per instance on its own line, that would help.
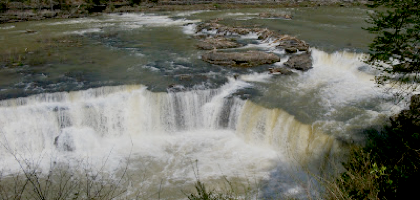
(133, 86)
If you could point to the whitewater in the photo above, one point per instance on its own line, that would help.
(256, 129)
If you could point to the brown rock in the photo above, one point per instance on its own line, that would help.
(240, 59)
(280, 71)
(292, 44)
(300, 62)
(264, 34)
(217, 43)
(222, 29)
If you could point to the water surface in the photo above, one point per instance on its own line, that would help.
(133, 86)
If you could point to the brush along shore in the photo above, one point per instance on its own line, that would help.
(31, 10)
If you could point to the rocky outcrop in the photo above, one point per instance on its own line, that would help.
(282, 70)
(214, 26)
(300, 62)
(217, 43)
(240, 59)
(213, 36)
(288, 43)
(292, 45)
(264, 34)
(408, 119)
(224, 30)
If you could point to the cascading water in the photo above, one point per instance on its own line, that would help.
(210, 126)
(256, 127)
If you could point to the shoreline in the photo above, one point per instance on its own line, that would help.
(21, 13)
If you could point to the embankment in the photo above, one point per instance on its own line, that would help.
(17, 11)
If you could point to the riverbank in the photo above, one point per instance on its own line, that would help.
(14, 11)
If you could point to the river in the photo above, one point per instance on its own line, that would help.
(100, 91)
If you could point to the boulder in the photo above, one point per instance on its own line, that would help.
(284, 71)
(300, 62)
(217, 43)
(266, 33)
(240, 59)
(263, 33)
(292, 44)
(222, 29)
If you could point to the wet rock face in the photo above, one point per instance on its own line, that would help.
(217, 43)
(300, 62)
(240, 59)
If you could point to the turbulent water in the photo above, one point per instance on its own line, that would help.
(100, 91)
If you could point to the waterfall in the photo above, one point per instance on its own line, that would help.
(79, 122)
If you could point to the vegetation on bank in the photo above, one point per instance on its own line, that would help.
(395, 50)
(25, 10)
(387, 167)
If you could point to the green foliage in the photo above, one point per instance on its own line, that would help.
(204, 194)
(385, 168)
(134, 2)
(395, 50)
(95, 5)
(217, 6)
(388, 165)
(3, 6)
(96, 2)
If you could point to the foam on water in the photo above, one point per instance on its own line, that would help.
(250, 36)
(189, 29)
(82, 32)
(266, 45)
(256, 77)
(189, 13)
(240, 14)
(127, 21)
(339, 77)
(163, 132)
(136, 20)
(7, 27)
(75, 21)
